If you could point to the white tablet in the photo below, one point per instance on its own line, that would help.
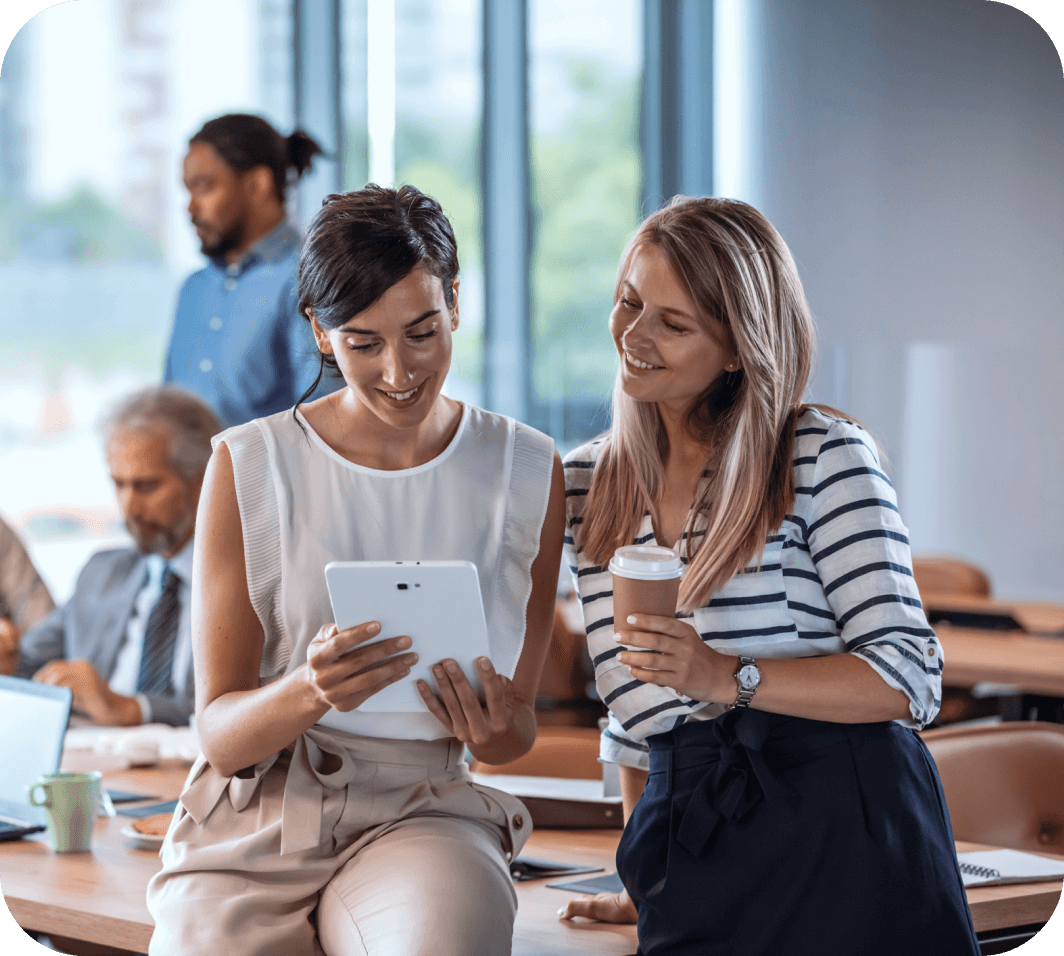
(437, 604)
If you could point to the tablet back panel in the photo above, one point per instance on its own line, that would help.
(437, 604)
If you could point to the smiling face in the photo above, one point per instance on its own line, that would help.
(394, 355)
(668, 355)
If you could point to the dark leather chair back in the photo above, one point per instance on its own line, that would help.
(1004, 783)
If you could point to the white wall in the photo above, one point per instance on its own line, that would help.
(912, 155)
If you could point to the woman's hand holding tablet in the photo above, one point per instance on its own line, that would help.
(459, 710)
(344, 674)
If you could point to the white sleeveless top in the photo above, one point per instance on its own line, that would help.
(482, 499)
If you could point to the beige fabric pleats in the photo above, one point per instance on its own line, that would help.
(412, 856)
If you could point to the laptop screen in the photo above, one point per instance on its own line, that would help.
(33, 722)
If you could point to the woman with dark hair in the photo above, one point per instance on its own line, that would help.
(291, 836)
(238, 341)
(783, 802)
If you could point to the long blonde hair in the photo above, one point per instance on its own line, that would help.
(744, 283)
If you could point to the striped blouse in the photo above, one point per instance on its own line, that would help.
(835, 577)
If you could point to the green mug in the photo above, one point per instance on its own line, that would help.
(72, 801)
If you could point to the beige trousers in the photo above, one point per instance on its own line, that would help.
(409, 856)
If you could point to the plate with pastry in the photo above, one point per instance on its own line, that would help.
(148, 832)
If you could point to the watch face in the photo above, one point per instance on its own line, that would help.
(749, 676)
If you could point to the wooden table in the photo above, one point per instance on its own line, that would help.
(1033, 616)
(1031, 664)
(99, 896)
(1029, 661)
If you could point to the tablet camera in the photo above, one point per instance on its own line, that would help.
(403, 586)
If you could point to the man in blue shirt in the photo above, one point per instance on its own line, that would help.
(238, 340)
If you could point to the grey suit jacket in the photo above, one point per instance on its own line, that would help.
(92, 625)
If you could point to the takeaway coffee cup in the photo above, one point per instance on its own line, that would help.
(646, 580)
(72, 801)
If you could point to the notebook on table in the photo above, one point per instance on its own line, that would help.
(993, 867)
(33, 722)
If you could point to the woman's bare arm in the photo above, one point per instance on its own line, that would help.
(238, 722)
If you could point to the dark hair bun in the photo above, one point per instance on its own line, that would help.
(301, 150)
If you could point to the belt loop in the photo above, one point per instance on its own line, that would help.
(668, 771)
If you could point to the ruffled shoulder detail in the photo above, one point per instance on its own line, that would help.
(526, 507)
(252, 448)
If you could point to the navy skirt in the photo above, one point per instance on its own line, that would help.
(764, 834)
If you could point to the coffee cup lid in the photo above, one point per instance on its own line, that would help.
(646, 562)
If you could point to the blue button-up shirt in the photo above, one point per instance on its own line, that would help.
(238, 340)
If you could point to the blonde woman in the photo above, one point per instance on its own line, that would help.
(785, 803)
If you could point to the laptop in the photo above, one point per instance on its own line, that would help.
(33, 722)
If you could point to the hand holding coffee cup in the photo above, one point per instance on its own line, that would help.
(646, 580)
(73, 802)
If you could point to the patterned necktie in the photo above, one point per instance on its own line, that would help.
(160, 634)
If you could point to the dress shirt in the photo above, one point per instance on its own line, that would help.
(127, 665)
(238, 340)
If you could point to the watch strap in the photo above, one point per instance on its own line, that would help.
(745, 694)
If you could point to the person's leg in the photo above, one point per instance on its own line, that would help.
(427, 885)
(225, 887)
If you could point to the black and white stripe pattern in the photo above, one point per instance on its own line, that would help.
(835, 577)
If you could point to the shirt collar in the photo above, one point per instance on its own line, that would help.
(273, 247)
(180, 564)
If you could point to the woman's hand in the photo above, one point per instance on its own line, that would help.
(606, 908)
(459, 710)
(343, 675)
(680, 659)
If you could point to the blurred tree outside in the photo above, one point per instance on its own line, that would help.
(82, 227)
(586, 179)
(63, 265)
(441, 161)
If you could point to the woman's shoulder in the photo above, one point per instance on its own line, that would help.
(237, 436)
(819, 430)
(493, 428)
(586, 456)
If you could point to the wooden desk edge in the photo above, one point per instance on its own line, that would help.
(78, 924)
(1018, 909)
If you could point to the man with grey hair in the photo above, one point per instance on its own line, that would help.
(123, 642)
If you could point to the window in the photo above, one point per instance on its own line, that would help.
(586, 181)
(411, 104)
(97, 102)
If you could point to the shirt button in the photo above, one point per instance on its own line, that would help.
(930, 652)
(206, 365)
(230, 284)
(233, 268)
(518, 821)
(216, 323)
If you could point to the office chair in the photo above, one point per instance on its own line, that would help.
(1004, 783)
(944, 575)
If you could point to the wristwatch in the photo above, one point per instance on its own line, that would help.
(747, 676)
